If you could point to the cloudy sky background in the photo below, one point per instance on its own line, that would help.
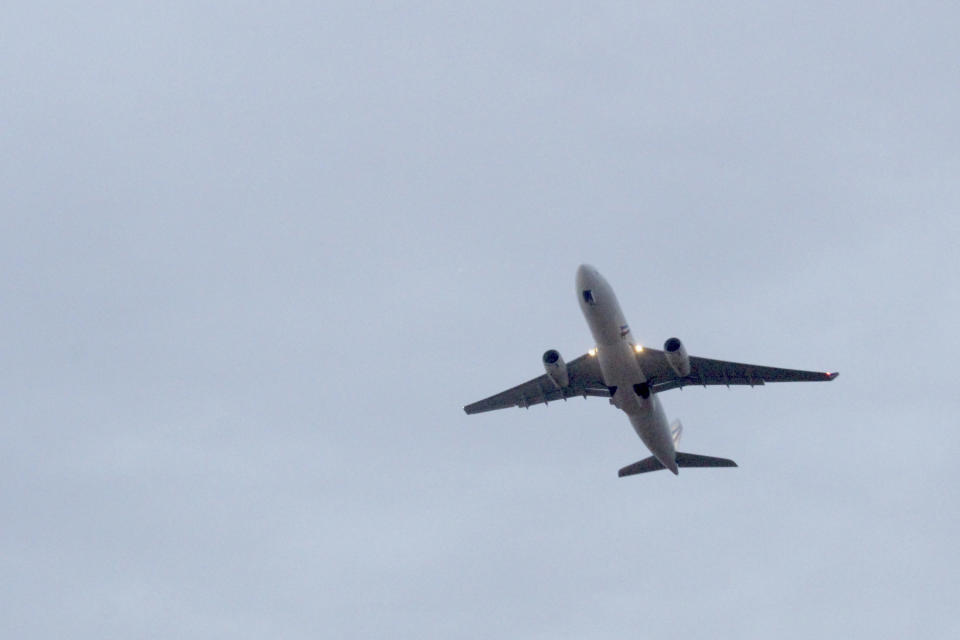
(257, 256)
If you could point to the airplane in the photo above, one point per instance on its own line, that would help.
(631, 376)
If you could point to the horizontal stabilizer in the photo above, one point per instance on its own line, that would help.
(694, 460)
(683, 460)
(645, 465)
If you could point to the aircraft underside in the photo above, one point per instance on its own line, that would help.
(632, 376)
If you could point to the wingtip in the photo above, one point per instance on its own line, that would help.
(832, 374)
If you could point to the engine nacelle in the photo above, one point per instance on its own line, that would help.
(677, 357)
(556, 368)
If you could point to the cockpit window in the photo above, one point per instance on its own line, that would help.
(588, 296)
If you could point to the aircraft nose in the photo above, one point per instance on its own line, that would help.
(585, 274)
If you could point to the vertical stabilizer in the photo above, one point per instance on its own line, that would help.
(676, 430)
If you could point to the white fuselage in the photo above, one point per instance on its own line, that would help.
(618, 363)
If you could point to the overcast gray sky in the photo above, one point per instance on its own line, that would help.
(257, 256)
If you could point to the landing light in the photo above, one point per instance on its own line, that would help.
(638, 348)
(592, 352)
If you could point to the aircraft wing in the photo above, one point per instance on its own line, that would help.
(704, 371)
(585, 380)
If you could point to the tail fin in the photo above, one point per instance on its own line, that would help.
(683, 460)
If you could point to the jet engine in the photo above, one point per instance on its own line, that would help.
(677, 356)
(556, 368)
